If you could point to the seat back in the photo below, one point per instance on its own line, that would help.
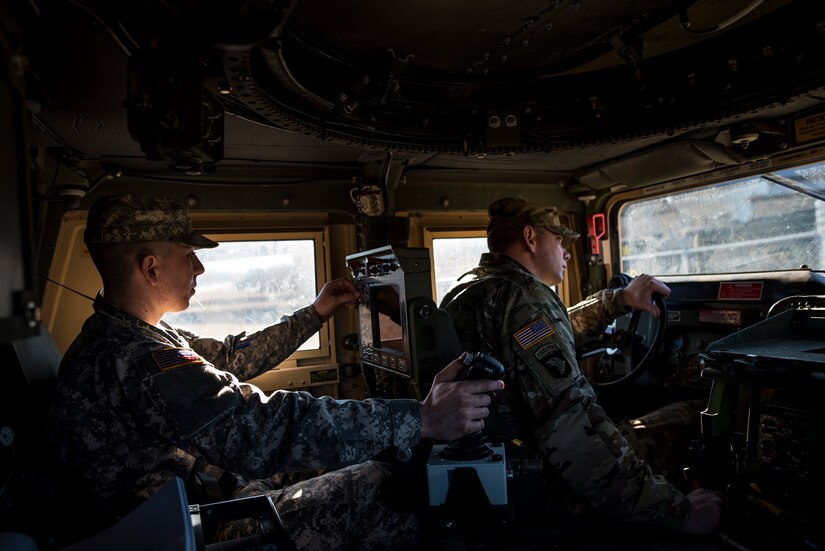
(29, 370)
(161, 523)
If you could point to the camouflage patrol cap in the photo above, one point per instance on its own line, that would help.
(136, 218)
(510, 213)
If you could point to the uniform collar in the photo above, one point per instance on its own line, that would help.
(103, 306)
(491, 262)
(498, 263)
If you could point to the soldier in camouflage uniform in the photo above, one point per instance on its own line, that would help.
(140, 402)
(508, 309)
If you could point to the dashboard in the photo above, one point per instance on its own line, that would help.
(703, 309)
(755, 345)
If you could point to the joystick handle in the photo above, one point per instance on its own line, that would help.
(470, 447)
(483, 366)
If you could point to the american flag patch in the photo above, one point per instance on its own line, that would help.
(170, 358)
(534, 332)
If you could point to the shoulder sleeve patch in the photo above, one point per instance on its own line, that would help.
(172, 358)
(533, 333)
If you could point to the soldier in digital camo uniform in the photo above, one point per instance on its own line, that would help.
(508, 309)
(140, 402)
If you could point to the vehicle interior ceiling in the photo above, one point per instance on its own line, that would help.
(289, 107)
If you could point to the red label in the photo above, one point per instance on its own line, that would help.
(745, 290)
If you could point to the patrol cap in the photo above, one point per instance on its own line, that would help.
(510, 213)
(136, 218)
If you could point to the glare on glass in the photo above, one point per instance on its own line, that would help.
(452, 257)
(747, 225)
(249, 285)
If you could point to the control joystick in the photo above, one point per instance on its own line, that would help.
(470, 447)
(483, 366)
(468, 477)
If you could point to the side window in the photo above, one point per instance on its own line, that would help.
(752, 224)
(250, 282)
(453, 253)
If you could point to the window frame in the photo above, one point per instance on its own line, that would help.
(563, 289)
(67, 303)
(320, 236)
(431, 234)
(613, 239)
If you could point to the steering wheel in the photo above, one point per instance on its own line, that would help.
(630, 343)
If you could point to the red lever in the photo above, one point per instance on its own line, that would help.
(596, 230)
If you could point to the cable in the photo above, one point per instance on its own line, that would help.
(65, 287)
(105, 25)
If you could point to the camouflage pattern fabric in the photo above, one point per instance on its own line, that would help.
(137, 404)
(139, 218)
(348, 508)
(511, 213)
(509, 313)
(655, 435)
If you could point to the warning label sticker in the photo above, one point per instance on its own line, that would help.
(809, 128)
(744, 290)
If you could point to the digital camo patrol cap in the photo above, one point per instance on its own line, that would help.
(136, 218)
(516, 213)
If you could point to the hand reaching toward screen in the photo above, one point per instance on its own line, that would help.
(333, 294)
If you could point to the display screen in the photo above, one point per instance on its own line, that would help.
(387, 331)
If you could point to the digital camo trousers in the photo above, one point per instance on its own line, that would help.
(344, 509)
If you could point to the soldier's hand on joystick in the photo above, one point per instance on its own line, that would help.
(483, 366)
(470, 447)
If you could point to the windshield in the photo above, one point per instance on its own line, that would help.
(770, 222)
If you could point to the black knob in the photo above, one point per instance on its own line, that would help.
(426, 311)
(483, 366)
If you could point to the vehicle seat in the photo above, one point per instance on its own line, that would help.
(29, 368)
(161, 523)
(15, 541)
(166, 522)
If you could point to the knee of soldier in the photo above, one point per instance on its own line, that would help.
(372, 477)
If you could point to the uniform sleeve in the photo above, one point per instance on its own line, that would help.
(247, 356)
(589, 317)
(573, 433)
(207, 412)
